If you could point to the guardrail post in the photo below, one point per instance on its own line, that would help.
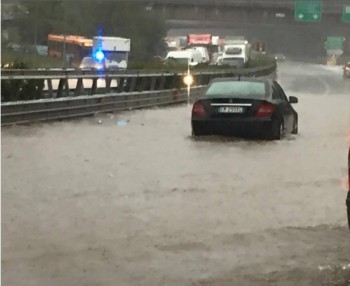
(79, 87)
(49, 85)
(60, 88)
(66, 85)
(162, 82)
(108, 84)
(120, 87)
(40, 89)
(143, 83)
(133, 83)
(94, 86)
(153, 83)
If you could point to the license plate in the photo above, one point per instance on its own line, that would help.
(231, 109)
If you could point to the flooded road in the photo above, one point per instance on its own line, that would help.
(145, 204)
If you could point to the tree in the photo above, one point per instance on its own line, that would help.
(146, 29)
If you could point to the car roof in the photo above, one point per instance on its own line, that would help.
(245, 79)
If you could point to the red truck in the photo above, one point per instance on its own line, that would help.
(202, 40)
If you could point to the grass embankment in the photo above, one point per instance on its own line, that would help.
(30, 60)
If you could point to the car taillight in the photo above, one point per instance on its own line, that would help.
(265, 110)
(198, 110)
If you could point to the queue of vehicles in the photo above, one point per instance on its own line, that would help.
(233, 51)
(96, 53)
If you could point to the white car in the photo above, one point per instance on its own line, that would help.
(91, 63)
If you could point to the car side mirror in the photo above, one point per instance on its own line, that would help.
(293, 99)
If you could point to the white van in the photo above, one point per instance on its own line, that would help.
(203, 51)
(237, 50)
(184, 57)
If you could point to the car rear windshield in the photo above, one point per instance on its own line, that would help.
(240, 89)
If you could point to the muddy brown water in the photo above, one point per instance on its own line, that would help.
(145, 204)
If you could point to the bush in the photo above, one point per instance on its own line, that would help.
(14, 90)
(261, 61)
(31, 60)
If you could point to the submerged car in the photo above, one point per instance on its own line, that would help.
(348, 197)
(346, 69)
(244, 106)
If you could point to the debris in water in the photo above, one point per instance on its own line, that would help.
(122, 123)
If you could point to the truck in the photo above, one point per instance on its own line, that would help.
(113, 51)
(236, 52)
(203, 40)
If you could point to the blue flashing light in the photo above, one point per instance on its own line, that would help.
(99, 55)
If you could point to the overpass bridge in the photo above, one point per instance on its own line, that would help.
(271, 21)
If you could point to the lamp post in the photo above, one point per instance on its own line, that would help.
(188, 81)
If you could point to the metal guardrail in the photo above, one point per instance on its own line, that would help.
(59, 107)
(53, 109)
(70, 83)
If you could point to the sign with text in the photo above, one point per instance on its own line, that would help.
(346, 14)
(308, 11)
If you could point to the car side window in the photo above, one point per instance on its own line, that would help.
(280, 92)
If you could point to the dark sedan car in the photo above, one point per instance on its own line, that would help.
(239, 106)
(348, 197)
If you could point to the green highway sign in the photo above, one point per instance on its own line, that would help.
(335, 45)
(308, 11)
(346, 14)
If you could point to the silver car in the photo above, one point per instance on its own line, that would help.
(91, 63)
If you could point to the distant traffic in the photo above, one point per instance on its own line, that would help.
(113, 52)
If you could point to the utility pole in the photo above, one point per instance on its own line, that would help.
(64, 36)
(36, 28)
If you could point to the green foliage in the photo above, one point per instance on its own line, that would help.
(261, 61)
(14, 90)
(146, 29)
(30, 60)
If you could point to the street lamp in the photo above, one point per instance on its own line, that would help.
(188, 81)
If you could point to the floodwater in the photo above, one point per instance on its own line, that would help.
(85, 203)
